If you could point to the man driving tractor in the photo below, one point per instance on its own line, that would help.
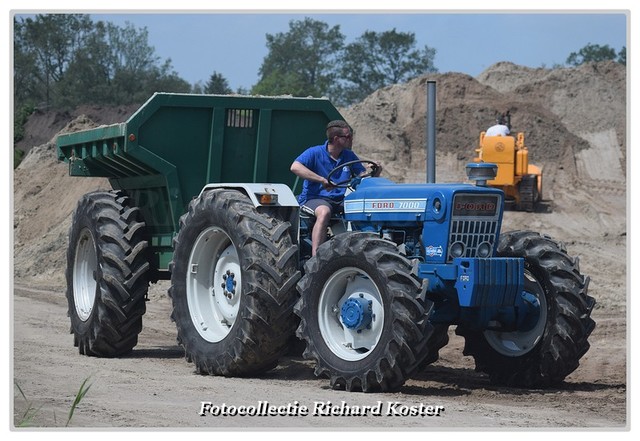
(315, 164)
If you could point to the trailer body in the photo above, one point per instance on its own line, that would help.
(175, 144)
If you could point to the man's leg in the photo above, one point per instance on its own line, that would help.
(319, 233)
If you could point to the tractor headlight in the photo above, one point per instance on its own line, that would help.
(484, 249)
(456, 249)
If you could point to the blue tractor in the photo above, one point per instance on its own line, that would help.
(410, 260)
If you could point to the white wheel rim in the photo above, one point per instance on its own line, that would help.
(349, 344)
(85, 266)
(515, 344)
(213, 263)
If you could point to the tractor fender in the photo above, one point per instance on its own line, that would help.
(285, 196)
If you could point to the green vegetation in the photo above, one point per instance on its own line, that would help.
(62, 60)
(379, 59)
(301, 62)
(312, 59)
(84, 388)
(595, 53)
(21, 116)
(217, 84)
(20, 119)
(29, 413)
(27, 417)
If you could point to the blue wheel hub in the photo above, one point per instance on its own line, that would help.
(356, 313)
(229, 284)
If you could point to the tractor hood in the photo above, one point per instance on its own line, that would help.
(381, 200)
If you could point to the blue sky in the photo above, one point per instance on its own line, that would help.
(204, 36)
(234, 44)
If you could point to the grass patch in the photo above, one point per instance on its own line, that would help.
(27, 417)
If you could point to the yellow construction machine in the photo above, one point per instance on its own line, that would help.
(520, 181)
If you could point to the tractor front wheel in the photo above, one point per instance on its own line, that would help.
(552, 347)
(362, 314)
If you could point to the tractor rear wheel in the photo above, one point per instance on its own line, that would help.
(551, 349)
(233, 279)
(362, 314)
(107, 274)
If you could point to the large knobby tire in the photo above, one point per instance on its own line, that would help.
(362, 314)
(107, 274)
(551, 350)
(439, 339)
(233, 278)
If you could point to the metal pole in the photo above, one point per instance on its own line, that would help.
(431, 132)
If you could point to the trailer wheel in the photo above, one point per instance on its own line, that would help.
(233, 280)
(107, 274)
(362, 314)
(551, 350)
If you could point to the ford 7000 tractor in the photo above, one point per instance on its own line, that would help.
(202, 196)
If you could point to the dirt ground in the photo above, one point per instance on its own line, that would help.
(583, 152)
(155, 387)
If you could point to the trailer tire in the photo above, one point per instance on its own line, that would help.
(348, 273)
(107, 274)
(544, 356)
(233, 279)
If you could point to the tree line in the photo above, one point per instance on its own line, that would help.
(64, 60)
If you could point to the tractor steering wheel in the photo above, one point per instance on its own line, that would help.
(348, 182)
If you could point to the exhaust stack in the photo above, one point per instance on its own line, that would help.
(431, 132)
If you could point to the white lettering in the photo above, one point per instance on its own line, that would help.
(394, 408)
(326, 408)
(409, 205)
(262, 409)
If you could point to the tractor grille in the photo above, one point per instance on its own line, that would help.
(474, 226)
(472, 233)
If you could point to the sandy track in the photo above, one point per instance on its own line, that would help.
(156, 387)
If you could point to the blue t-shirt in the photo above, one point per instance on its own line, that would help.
(318, 160)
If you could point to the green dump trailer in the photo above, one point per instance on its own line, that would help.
(175, 144)
(185, 159)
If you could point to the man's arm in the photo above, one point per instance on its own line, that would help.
(299, 169)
